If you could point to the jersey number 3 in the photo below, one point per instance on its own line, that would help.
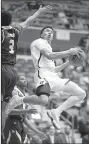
(11, 42)
(11, 46)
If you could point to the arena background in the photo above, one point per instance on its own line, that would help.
(70, 20)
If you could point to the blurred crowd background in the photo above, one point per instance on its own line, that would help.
(65, 13)
(70, 15)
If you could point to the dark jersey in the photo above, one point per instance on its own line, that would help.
(9, 37)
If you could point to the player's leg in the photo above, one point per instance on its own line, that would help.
(12, 80)
(9, 77)
(43, 92)
(3, 92)
(77, 95)
(34, 99)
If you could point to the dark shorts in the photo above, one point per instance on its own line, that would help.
(13, 130)
(8, 81)
(43, 90)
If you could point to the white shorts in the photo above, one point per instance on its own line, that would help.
(56, 83)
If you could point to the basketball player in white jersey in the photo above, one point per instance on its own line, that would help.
(46, 77)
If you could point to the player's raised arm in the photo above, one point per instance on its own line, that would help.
(30, 19)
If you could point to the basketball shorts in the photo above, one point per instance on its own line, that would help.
(8, 81)
(55, 83)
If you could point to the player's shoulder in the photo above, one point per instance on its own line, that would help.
(15, 90)
(38, 41)
(35, 42)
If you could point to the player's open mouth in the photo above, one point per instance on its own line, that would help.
(49, 35)
(25, 83)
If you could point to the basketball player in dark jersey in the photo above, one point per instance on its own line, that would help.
(9, 39)
(13, 131)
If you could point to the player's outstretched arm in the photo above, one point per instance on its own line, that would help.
(31, 19)
(61, 67)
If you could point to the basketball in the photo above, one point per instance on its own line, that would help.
(77, 60)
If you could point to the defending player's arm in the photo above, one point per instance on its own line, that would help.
(55, 55)
(61, 67)
(31, 19)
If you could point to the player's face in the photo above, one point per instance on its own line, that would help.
(48, 34)
(67, 129)
(22, 81)
(51, 130)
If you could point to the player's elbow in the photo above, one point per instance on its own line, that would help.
(50, 56)
(82, 95)
(24, 25)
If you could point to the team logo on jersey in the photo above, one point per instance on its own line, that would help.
(42, 82)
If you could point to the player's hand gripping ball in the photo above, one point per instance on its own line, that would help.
(77, 59)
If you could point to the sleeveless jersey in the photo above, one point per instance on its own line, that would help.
(16, 101)
(39, 60)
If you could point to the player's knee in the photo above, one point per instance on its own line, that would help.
(43, 91)
(82, 94)
(44, 98)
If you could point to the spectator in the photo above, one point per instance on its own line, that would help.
(69, 137)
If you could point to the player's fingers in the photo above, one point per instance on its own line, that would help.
(78, 56)
(48, 7)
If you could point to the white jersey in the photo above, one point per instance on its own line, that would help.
(39, 60)
(45, 68)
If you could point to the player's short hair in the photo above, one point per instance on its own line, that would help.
(46, 28)
(6, 18)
